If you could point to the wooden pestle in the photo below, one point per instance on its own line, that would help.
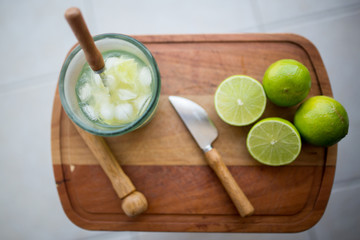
(134, 202)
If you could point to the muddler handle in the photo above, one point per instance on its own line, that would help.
(78, 25)
(238, 197)
(133, 202)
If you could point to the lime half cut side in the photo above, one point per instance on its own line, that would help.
(240, 100)
(274, 142)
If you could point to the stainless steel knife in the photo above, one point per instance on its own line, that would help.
(204, 132)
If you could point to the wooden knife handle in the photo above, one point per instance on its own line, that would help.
(238, 197)
(134, 202)
(78, 25)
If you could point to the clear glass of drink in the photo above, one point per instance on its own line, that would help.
(122, 102)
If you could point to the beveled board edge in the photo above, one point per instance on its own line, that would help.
(301, 224)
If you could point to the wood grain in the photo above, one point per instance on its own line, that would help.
(173, 141)
(164, 163)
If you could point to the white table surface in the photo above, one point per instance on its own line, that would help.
(35, 39)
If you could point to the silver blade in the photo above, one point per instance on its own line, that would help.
(196, 120)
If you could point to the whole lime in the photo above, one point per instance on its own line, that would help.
(287, 82)
(321, 121)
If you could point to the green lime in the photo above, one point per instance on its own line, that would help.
(240, 100)
(322, 121)
(287, 82)
(274, 141)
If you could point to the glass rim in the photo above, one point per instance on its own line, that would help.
(113, 130)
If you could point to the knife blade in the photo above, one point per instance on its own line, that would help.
(196, 120)
(204, 132)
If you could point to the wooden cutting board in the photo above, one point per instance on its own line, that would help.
(165, 164)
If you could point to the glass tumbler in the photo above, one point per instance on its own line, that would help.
(71, 71)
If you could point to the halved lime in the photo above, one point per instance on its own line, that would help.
(240, 100)
(274, 141)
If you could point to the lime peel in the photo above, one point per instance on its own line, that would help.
(322, 121)
(287, 82)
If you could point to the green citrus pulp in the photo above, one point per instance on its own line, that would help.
(287, 82)
(240, 100)
(274, 142)
(322, 121)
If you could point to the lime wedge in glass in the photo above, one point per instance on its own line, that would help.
(274, 141)
(240, 100)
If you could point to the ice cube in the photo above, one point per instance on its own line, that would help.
(90, 112)
(125, 94)
(101, 95)
(107, 111)
(109, 81)
(124, 111)
(141, 103)
(97, 79)
(85, 92)
(112, 62)
(145, 76)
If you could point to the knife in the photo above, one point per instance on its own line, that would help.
(204, 132)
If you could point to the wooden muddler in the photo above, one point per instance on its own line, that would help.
(92, 54)
(133, 202)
